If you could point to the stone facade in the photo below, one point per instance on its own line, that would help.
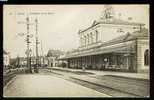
(142, 46)
(105, 32)
(52, 61)
(111, 44)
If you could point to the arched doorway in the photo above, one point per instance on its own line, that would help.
(146, 57)
(51, 64)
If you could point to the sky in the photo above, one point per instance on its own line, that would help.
(58, 25)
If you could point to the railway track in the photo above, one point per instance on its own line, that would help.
(98, 87)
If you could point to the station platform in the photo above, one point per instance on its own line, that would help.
(144, 76)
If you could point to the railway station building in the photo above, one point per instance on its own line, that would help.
(111, 43)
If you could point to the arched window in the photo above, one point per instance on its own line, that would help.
(85, 40)
(81, 41)
(91, 35)
(146, 57)
(88, 39)
(96, 36)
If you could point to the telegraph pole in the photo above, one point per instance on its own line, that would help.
(28, 51)
(28, 36)
(28, 42)
(42, 52)
(37, 42)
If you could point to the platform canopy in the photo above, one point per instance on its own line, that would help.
(123, 48)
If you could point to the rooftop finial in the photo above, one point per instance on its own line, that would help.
(108, 12)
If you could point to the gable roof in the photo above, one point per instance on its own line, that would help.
(126, 37)
(54, 53)
(113, 21)
(119, 22)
